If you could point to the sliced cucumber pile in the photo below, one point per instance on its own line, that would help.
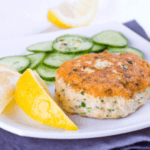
(72, 44)
(50, 55)
(41, 47)
(46, 73)
(110, 38)
(98, 48)
(56, 59)
(125, 50)
(36, 59)
(19, 63)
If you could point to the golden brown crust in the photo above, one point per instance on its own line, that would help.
(127, 74)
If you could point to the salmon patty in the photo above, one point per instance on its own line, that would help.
(103, 85)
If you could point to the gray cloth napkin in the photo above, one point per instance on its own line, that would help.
(9, 141)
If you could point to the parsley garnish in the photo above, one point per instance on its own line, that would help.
(83, 113)
(119, 117)
(111, 110)
(97, 107)
(88, 107)
(83, 104)
(82, 92)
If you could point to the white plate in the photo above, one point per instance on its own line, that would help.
(19, 123)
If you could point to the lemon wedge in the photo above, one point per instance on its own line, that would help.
(8, 80)
(73, 13)
(33, 96)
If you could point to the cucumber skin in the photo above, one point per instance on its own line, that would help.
(50, 66)
(100, 50)
(21, 71)
(77, 52)
(142, 55)
(27, 66)
(39, 62)
(45, 78)
(53, 67)
(49, 82)
(46, 51)
(112, 45)
(41, 51)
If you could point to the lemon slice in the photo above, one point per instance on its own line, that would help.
(8, 80)
(73, 13)
(33, 96)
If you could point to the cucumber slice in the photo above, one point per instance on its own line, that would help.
(49, 82)
(98, 48)
(72, 44)
(56, 59)
(19, 63)
(41, 47)
(36, 59)
(125, 50)
(46, 73)
(111, 38)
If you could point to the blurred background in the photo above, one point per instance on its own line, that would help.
(19, 18)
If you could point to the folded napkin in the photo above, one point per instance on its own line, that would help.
(128, 141)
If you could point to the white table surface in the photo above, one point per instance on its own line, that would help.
(29, 17)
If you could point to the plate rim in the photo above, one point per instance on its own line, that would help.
(78, 135)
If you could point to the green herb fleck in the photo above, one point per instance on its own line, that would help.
(138, 84)
(111, 110)
(82, 92)
(102, 100)
(88, 107)
(97, 107)
(115, 101)
(84, 99)
(89, 111)
(83, 104)
(107, 116)
(119, 117)
(83, 113)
